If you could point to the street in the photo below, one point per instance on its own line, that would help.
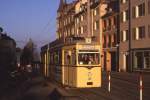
(124, 86)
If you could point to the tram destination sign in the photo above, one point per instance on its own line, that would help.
(88, 47)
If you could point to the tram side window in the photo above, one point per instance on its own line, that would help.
(67, 58)
(89, 58)
(57, 58)
(51, 58)
(73, 58)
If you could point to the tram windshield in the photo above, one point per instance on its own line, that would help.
(88, 58)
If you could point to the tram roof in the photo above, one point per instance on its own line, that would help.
(58, 43)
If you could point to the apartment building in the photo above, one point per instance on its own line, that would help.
(72, 20)
(111, 36)
(65, 20)
(134, 47)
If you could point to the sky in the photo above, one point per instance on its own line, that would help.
(25, 19)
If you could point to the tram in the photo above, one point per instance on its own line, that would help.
(75, 64)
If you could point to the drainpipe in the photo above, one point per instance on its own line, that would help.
(130, 39)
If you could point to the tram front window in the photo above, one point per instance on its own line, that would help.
(88, 58)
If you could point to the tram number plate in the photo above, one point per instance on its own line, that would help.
(89, 83)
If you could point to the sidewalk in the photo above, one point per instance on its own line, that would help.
(127, 85)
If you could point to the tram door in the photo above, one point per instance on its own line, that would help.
(67, 68)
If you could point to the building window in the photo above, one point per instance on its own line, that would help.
(115, 38)
(141, 32)
(72, 31)
(77, 20)
(124, 16)
(134, 36)
(139, 60)
(96, 11)
(121, 17)
(142, 60)
(138, 33)
(82, 30)
(109, 21)
(127, 35)
(104, 25)
(77, 31)
(114, 20)
(68, 31)
(96, 25)
(149, 7)
(133, 12)
(147, 59)
(109, 42)
(66, 21)
(104, 45)
(124, 35)
(81, 17)
(141, 9)
(121, 36)
(138, 11)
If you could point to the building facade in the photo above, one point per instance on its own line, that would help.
(110, 37)
(134, 52)
(72, 19)
(65, 20)
(121, 27)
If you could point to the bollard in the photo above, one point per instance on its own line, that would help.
(109, 79)
(141, 86)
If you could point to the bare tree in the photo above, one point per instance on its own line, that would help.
(27, 54)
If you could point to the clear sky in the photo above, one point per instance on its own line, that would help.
(24, 19)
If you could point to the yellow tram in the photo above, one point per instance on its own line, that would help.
(81, 65)
(75, 65)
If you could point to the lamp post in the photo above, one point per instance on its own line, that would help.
(129, 34)
(117, 57)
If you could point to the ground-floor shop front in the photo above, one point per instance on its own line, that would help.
(139, 60)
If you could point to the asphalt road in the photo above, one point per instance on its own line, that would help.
(124, 86)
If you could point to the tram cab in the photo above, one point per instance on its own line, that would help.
(81, 65)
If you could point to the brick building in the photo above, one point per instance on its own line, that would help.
(134, 52)
(72, 19)
(110, 36)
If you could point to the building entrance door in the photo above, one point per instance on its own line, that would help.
(113, 61)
